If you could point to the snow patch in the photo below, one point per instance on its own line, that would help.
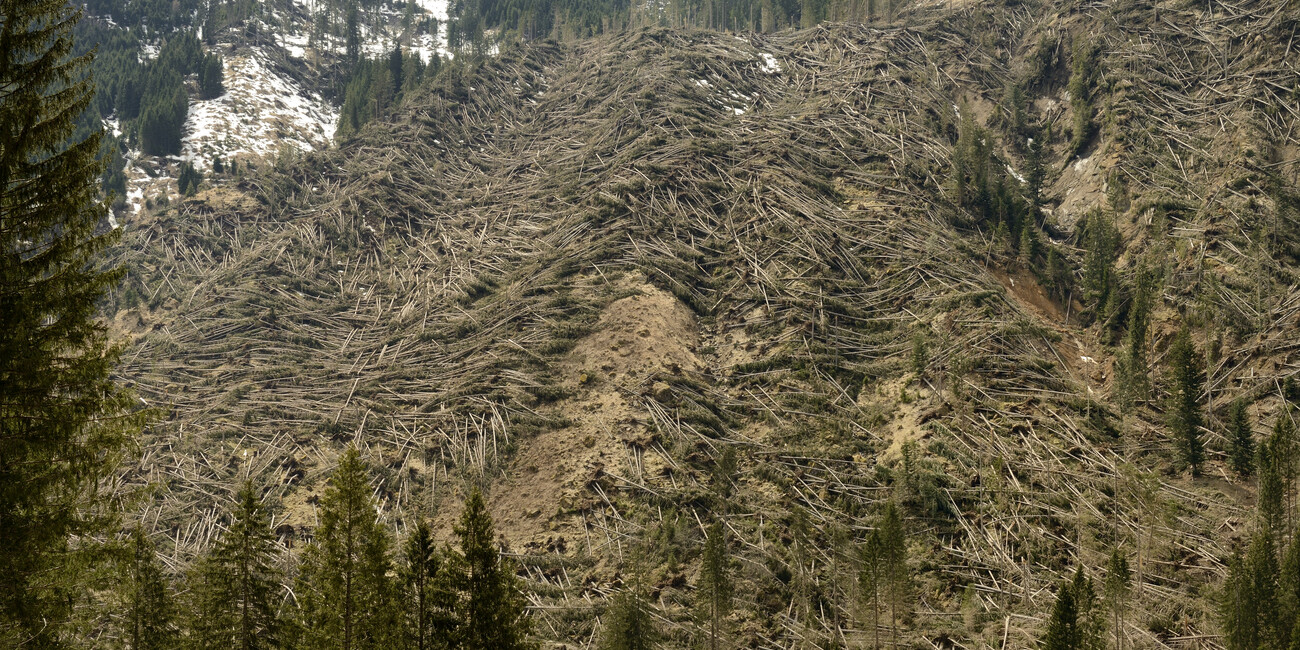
(261, 111)
(1014, 174)
(770, 64)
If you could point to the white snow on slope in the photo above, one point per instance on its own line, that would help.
(261, 111)
(770, 64)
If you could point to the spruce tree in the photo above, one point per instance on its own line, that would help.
(62, 418)
(1241, 440)
(1063, 624)
(347, 598)
(1101, 244)
(1269, 498)
(148, 603)
(871, 581)
(715, 586)
(491, 606)
(894, 569)
(1116, 590)
(1237, 612)
(1132, 374)
(430, 604)
(1288, 600)
(628, 623)
(1187, 382)
(237, 585)
(1089, 622)
(1261, 563)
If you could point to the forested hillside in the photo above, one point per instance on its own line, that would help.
(860, 323)
(947, 326)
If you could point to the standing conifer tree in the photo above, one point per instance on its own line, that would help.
(1133, 383)
(894, 570)
(871, 581)
(61, 416)
(1237, 611)
(491, 608)
(1241, 440)
(1117, 588)
(1187, 382)
(148, 599)
(1268, 499)
(628, 624)
(430, 607)
(235, 588)
(1063, 625)
(715, 587)
(347, 598)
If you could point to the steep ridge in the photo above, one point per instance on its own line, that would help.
(457, 291)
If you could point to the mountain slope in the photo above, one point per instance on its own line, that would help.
(576, 273)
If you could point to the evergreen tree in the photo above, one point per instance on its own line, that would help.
(1117, 589)
(1187, 382)
(148, 606)
(353, 33)
(1237, 611)
(188, 180)
(1063, 625)
(1288, 600)
(491, 607)
(715, 586)
(347, 599)
(236, 586)
(1261, 563)
(1083, 77)
(871, 581)
(1269, 498)
(894, 569)
(211, 77)
(1101, 246)
(62, 422)
(430, 604)
(1075, 623)
(1241, 440)
(1028, 246)
(628, 623)
(1132, 375)
(1089, 622)
(1249, 607)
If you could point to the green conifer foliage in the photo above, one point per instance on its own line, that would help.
(62, 422)
(1116, 590)
(430, 603)
(894, 569)
(1101, 245)
(629, 624)
(1270, 504)
(1133, 383)
(715, 585)
(1288, 600)
(148, 606)
(1187, 383)
(1063, 625)
(491, 605)
(1241, 440)
(236, 587)
(1249, 607)
(871, 582)
(346, 596)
